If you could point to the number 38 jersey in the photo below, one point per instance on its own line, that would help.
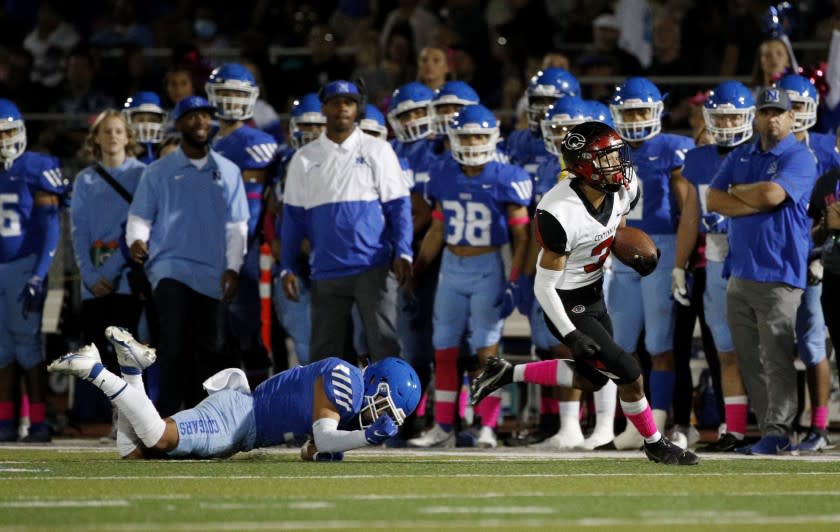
(474, 207)
(567, 224)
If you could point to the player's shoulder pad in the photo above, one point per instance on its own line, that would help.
(549, 232)
(343, 385)
(44, 173)
(518, 179)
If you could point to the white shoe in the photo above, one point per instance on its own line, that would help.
(598, 438)
(130, 352)
(629, 439)
(434, 437)
(692, 435)
(487, 438)
(566, 439)
(78, 363)
(679, 439)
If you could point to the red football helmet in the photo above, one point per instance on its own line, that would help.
(594, 152)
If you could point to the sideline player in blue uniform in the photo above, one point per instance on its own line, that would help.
(233, 91)
(340, 406)
(525, 146)
(30, 187)
(668, 211)
(561, 116)
(728, 114)
(477, 201)
(306, 124)
(810, 322)
(147, 120)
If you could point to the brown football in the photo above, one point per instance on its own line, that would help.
(635, 248)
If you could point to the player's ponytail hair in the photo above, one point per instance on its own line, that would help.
(91, 151)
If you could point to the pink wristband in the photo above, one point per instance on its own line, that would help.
(521, 220)
(514, 274)
(437, 215)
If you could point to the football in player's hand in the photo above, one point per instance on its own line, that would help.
(635, 248)
(308, 451)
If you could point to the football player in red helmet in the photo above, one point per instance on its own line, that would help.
(575, 224)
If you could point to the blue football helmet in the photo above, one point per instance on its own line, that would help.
(473, 120)
(391, 387)
(374, 122)
(546, 87)
(232, 89)
(453, 95)
(804, 97)
(406, 99)
(306, 112)
(729, 112)
(637, 93)
(13, 146)
(145, 116)
(559, 119)
(599, 112)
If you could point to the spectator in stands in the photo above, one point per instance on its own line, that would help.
(764, 188)
(188, 225)
(432, 67)
(399, 55)
(742, 37)
(179, 84)
(101, 195)
(48, 43)
(80, 97)
(358, 222)
(423, 23)
(606, 30)
(773, 61)
(322, 65)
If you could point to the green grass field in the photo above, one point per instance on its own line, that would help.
(84, 487)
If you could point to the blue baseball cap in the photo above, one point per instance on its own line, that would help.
(773, 97)
(340, 88)
(192, 103)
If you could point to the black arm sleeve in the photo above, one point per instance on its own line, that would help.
(550, 234)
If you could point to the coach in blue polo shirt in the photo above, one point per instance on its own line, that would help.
(188, 224)
(346, 194)
(765, 186)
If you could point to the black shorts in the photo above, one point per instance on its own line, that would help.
(587, 311)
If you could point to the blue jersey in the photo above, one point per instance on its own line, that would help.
(701, 165)
(474, 208)
(283, 403)
(771, 246)
(653, 161)
(148, 154)
(526, 149)
(249, 149)
(547, 175)
(20, 235)
(416, 158)
(825, 150)
(97, 216)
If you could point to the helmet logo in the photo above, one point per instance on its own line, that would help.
(575, 141)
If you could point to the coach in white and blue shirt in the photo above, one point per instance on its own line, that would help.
(188, 225)
(345, 193)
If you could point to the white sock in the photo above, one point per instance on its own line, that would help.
(127, 439)
(605, 401)
(140, 413)
(569, 414)
(519, 373)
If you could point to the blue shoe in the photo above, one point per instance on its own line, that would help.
(816, 440)
(8, 432)
(770, 445)
(38, 433)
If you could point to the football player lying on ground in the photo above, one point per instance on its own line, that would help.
(326, 399)
(576, 223)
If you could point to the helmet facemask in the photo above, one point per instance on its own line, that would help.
(637, 130)
(12, 141)
(473, 154)
(233, 100)
(729, 125)
(147, 125)
(804, 112)
(305, 128)
(379, 404)
(414, 128)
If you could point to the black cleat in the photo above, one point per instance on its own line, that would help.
(497, 372)
(665, 452)
(525, 438)
(726, 444)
